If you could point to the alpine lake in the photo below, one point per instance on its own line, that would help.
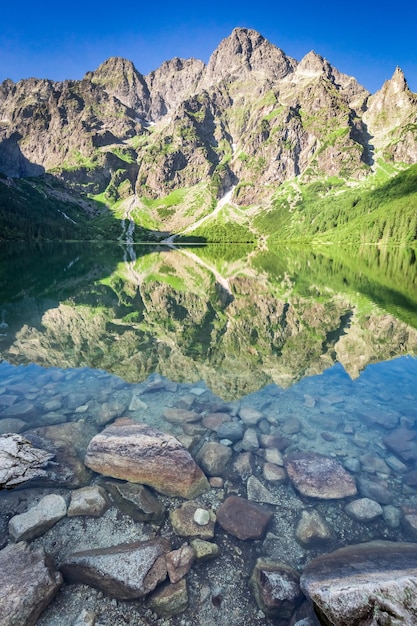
(272, 355)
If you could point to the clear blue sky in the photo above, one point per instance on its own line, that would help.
(64, 40)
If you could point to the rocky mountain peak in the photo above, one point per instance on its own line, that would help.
(313, 65)
(244, 52)
(120, 78)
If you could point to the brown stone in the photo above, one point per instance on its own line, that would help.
(319, 476)
(213, 458)
(212, 421)
(140, 454)
(243, 519)
(179, 562)
(180, 416)
(276, 587)
(27, 584)
(184, 523)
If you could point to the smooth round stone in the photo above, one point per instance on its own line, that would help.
(230, 430)
(250, 416)
(201, 517)
(363, 510)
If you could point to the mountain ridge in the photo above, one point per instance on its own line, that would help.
(251, 119)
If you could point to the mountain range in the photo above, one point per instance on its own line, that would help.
(296, 150)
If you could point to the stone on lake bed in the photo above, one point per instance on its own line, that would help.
(38, 519)
(179, 562)
(125, 572)
(91, 500)
(276, 587)
(313, 529)
(141, 454)
(243, 519)
(180, 416)
(27, 584)
(184, 523)
(250, 416)
(213, 458)
(204, 550)
(136, 501)
(363, 510)
(171, 599)
(368, 583)
(318, 476)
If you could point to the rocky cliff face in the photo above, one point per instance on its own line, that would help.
(252, 117)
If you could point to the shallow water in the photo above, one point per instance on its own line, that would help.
(323, 345)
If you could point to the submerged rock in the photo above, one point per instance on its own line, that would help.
(369, 583)
(124, 572)
(214, 457)
(172, 599)
(141, 454)
(179, 562)
(136, 501)
(38, 519)
(91, 500)
(243, 519)
(313, 529)
(185, 524)
(20, 462)
(319, 476)
(363, 510)
(28, 583)
(276, 588)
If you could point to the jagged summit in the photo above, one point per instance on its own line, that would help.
(246, 51)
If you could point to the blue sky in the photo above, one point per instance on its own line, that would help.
(65, 40)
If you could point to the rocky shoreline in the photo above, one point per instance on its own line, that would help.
(159, 503)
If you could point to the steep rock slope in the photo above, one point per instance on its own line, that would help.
(251, 119)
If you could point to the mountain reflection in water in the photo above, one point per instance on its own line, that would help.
(235, 318)
(317, 347)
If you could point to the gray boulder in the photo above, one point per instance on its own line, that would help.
(20, 462)
(124, 572)
(364, 584)
(28, 583)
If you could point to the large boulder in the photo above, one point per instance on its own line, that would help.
(38, 519)
(140, 454)
(124, 572)
(319, 476)
(28, 583)
(369, 583)
(21, 462)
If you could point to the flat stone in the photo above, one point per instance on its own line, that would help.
(363, 510)
(179, 562)
(213, 458)
(243, 465)
(170, 600)
(274, 441)
(250, 416)
(136, 501)
(392, 516)
(204, 550)
(313, 529)
(109, 411)
(292, 426)
(91, 500)
(23, 409)
(213, 421)
(184, 523)
(318, 476)
(410, 522)
(69, 442)
(276, 588)
(250, 440)
(274, 473)
(136, 404)
(230, 430)
(243, 519)
(12, 425)
(28, 583)
(20, 462)
(374, 464)
(402, 441)
(369, 583)
(38, 519)
(375, 490)
(124, 572)
(272, 455)
(257, 492)
(140, 454)
(180, 416)
(395, 464)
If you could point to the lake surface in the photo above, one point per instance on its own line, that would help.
(321, 343)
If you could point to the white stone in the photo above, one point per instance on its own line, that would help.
(201, 517)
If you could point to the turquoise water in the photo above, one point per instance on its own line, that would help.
(323, 345)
